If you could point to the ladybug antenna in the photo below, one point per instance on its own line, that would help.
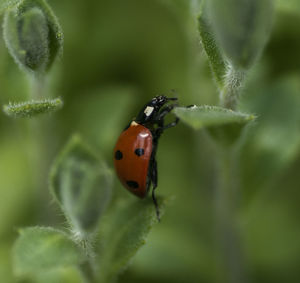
(174, 93)
(156, 206)
(172, 98)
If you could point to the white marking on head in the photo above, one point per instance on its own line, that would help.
(148, 111)
(133, 123)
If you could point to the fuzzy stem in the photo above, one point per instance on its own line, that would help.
(230, 255)
(38, 87)
(40, 156)
(88, 266)
(230, 93)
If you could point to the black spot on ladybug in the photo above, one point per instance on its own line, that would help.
(118, 155)
(132, 184)
(139, 151)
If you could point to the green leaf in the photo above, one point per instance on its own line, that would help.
(208, 116)
(242, 28)
(32, 108)
(70, 274)
(224, 125)
(216, 60)
(41, 249)
(32, 35)
(123, 234)
(7, 4)
(26, 37)
(82, 186)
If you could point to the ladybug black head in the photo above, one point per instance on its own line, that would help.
(150, 110)
(159, 101)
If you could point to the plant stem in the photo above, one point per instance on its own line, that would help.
(230, 93)
(230, 255)
(40, 156)
(38, 87)
(88, 271)
(87, 267)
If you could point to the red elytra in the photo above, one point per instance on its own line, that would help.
(132, 157)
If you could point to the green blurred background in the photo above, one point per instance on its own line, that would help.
(118, 55)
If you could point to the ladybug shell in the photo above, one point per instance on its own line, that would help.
(132, 156)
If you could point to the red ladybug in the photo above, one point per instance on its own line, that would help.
(134, 153)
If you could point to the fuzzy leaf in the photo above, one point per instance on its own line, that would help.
(32, 108)
(7, 4)
(82, 186)
(208, 116)
(123, 234)
(216, 60)
(70, 274)
(223, 124)
(32, 35)
(242, 28)
(26, 37)
(40, 249)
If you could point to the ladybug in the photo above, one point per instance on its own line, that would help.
(135, 150)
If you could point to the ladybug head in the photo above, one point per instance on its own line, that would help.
(158, 101)
(151, 109)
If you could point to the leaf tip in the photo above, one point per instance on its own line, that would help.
(28, 109)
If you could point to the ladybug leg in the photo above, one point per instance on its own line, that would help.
(161, 116)
(154, 186)
(173, 124)
(162, 127)
(164, 111)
